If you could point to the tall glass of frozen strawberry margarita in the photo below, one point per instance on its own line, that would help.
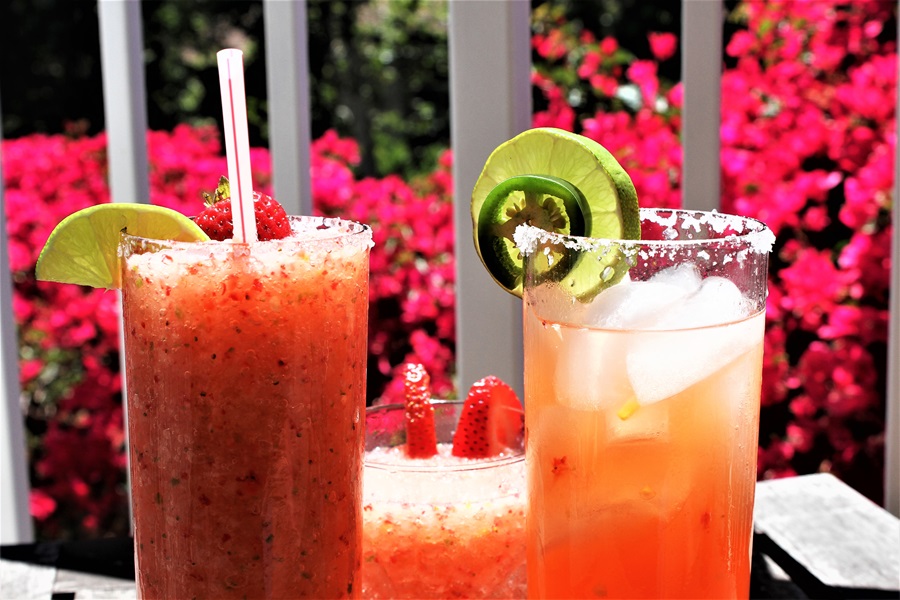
(246, 369)
(444, 497)
(245, 366)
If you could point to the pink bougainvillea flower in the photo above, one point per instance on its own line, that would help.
(551, 46)
(663, 45)
(643, 73)
(813, 284)
(868, 323)
(609, 46)
(41, 504)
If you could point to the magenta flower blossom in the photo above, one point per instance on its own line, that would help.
(663, 45)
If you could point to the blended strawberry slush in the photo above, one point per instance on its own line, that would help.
(246, 370)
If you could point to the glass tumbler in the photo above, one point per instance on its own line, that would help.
(442, 527)
(643, 364)
(245, 369)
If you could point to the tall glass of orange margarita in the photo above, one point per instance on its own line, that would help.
(642, 407)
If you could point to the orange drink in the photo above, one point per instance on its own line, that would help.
(642, 408)
(246, 371)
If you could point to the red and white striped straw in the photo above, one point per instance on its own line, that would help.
(237, 143)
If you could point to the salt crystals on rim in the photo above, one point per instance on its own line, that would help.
(756, 234)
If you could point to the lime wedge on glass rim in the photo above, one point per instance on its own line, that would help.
(562, 182)
(83, 248)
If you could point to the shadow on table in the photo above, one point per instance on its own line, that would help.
(112, 557)
(767, 581)
(774, 574)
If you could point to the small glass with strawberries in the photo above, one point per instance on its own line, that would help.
(444, 494)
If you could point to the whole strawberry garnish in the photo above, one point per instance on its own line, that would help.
(491, 421)
(421, 440)
(271, 219)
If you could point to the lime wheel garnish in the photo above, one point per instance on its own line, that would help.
(561, 182)
(83, 248)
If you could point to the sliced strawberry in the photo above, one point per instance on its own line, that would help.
(421, 440)
(492, 420)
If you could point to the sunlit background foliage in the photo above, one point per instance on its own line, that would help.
(808, 141)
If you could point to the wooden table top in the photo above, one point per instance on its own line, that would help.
(829, 539)
(815, 537)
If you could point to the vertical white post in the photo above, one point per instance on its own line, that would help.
(287, 77)
(892, 418)
(125, 112)
(15, 521)
(701, 76)
(124, 99)
(490, 102)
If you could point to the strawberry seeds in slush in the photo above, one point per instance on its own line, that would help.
(246, 371)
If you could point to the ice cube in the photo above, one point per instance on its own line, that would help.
(648, 424)
(717, 301)
(590, 372)
(550, 303)
(661, 364)
(685, 276)
(633, 305)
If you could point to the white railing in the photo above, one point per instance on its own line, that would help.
(15, 522)
(490, 101)
(892, 418)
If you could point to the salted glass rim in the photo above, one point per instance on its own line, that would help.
(750, 232)
(344, 229)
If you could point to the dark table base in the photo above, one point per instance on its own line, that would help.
(115, 558)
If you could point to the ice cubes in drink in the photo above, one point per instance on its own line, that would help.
(685, 276)
(650, 424)
(704, 332)
(665, 334)
(634, 305)
(590, 372)
(716, 301)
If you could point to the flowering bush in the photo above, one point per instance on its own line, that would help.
(807, 134)
(412, 272)
(69, 367)
(68, 338)
(808, 146)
